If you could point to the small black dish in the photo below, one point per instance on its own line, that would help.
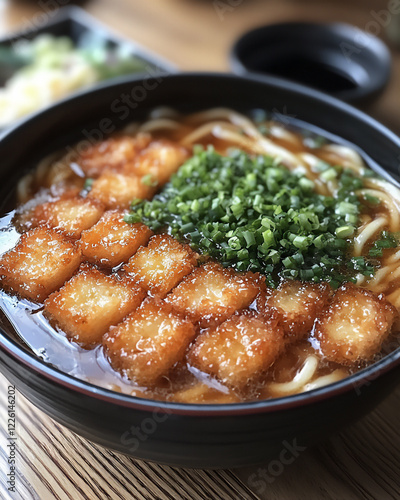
(192, 435)
(339, 59)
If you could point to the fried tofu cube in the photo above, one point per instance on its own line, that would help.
(117, 190)
(70, 215)
(239, 350)
(354, 327)
(113, 241)
(210, 294)
(162, 264)
(297, 304)
(111, 154)
(148, 342)
(90, 302)
(203, 394)
(160, 160)
(39, 264)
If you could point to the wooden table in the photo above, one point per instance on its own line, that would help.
(361, 462)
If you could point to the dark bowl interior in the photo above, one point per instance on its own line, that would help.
(335, 58)
(178, 434)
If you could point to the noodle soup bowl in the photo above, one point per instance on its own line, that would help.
(192, 435)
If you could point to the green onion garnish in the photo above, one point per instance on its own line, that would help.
(252, 213)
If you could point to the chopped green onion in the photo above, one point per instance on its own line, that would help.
(88, 184)
(148, 180)
(252, 213)
(344, 231)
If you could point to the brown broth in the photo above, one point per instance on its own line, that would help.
(27, 324)
(26, 319)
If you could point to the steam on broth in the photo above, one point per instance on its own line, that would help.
(208, 258)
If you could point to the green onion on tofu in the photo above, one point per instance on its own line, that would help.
(252, 213)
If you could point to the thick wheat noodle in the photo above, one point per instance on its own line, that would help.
(205, 130)
(335, 376)
(238, 123)
(282, 133)
(394, 298)
(25, 184)
(44, 166)
(215, 114)
(384, 273)
(311, 161)
(353, 159)
(361, 279)
(393, 258)
(391, 207)
(262, 146)
(164, 112)
(246, 125)
(395, 275)
(367, 233)
(24, 188)
(159, 124)
(131, 129)
(303, 377)
(386, 187)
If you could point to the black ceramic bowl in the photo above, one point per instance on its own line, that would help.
(178, 434)
(336, 58)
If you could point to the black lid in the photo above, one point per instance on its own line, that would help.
(339, 59)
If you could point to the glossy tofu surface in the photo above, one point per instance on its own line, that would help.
(113, 241)
(238, 350)
(39, 264)
(162, 264)
(297, 305)
(210, 294)
(69, 215)
(149, 342)
(88, 304)
(355, 325)
(160, 160)
(117, 190)
(111, 154)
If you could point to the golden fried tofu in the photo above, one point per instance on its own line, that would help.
(90, 302)
(200, 393)
(297, 305)
(210, 294)
(117, 190)
(111, 154)
(39, 264)
(112, 240)
(160, 160)
(238, 350)
(355, 325)
(70, 215)
(162, 264)
(24, 218)
(148, 342)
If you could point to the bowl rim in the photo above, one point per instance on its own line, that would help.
(375, 46)
(54, 375)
